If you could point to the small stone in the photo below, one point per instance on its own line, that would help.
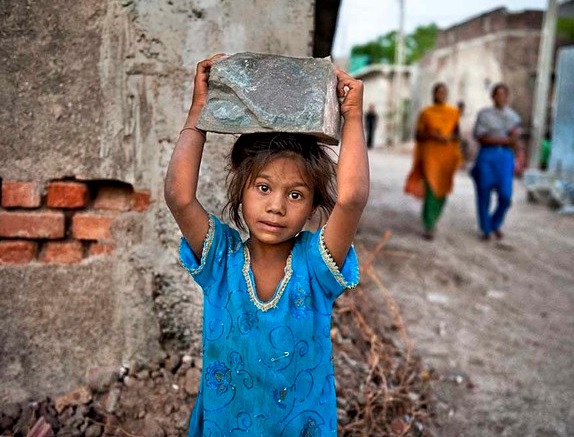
(192, 379)
(398, 426)
(112, 400)
(94, 430)
(143, 375)
(6, 422)
(41, 429)
(99, 379)
(110, 425)
(172, 362)
(252, 92)
(12, 410)
(437, 298)
(81, 396)
(153, 429)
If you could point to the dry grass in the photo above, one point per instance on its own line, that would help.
(384, 389)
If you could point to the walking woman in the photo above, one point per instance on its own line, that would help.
(497, 129)
(436, 159)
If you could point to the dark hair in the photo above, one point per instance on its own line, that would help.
(251, 152)
(498, 86)
(436, 87)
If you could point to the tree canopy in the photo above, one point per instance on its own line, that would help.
(382, 50)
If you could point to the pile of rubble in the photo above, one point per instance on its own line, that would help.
(150, 401)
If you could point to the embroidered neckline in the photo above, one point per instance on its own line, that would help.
(271, 303)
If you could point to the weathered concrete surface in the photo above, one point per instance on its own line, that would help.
(253, 92)
(99, 91)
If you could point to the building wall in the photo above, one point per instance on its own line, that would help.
(96, 93)
(473, 56)
(562, 155)
(378, 90)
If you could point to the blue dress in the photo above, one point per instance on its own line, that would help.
(267, 368)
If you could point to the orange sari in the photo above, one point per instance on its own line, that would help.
(434, 161)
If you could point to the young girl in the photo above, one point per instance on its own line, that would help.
(267, 367)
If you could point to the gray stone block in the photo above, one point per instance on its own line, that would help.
(250, 92)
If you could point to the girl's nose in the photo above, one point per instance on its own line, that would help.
(276, 204)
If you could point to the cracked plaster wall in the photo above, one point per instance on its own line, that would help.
(98, 91)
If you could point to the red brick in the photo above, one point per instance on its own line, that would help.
(17, 252)
(97, 249)
(142, 201)
(21, 194)
(62, 252)
(30, 225)
(68, 195)
(114, 198)
(92, 226)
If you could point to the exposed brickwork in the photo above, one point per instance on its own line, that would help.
(62, 252)
(17, 194)
(31, 225)
(142, 201)
(92, 226)
(17, 252)
(97, 249)
(67, 195)
(67, 227)
(114, 198)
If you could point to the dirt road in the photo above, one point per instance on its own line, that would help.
(495, 319)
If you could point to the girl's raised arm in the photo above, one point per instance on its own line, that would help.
(183, 171)
(352, 171)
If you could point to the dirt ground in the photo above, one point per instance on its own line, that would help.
(495, 319)
(490, 324)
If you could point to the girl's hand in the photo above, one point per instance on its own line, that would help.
(350, 93)
(200, 84)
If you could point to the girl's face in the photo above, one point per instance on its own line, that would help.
(278, 202)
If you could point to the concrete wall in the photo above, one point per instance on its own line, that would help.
(95, 93)
(562, 155)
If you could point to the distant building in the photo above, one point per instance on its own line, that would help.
(470, 57)
(496, 46)
(378, 82)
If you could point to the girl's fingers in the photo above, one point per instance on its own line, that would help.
(345, 83)
(207, 63)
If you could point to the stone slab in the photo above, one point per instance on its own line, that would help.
(252, 92)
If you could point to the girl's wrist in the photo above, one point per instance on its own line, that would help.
(353, 118)
(192, 128)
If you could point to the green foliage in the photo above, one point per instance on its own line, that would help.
(382, 50)
(565, 28)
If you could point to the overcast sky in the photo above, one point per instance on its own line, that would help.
(361, 21)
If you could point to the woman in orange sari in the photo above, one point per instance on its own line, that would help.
(436, 159)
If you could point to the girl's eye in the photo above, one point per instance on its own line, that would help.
(263, 188)
(295, 196)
